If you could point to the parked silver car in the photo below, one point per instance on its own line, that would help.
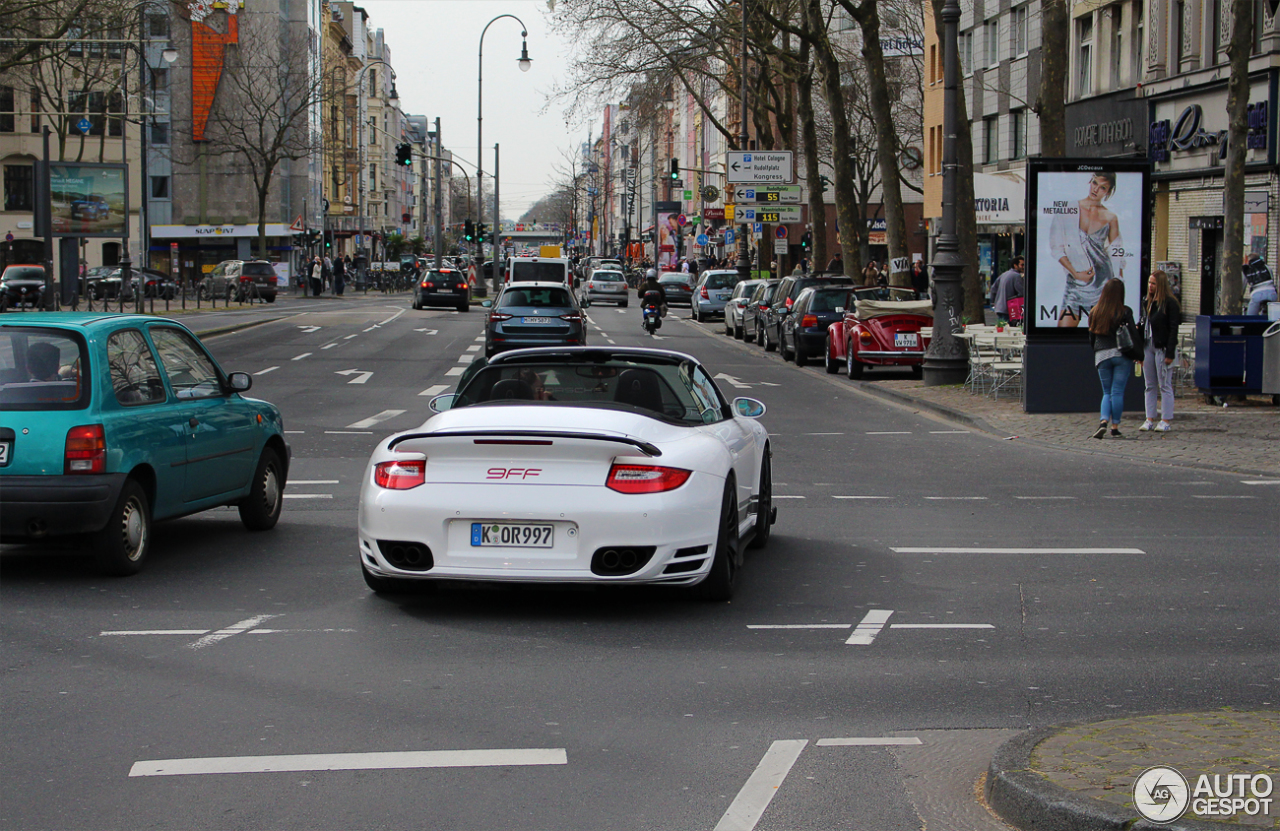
(609, 286)
(712, 291)
(733, 307)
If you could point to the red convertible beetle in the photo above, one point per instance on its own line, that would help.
(877, 332)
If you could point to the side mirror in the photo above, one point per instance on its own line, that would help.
(748, 407)
(441, 402)
(239, 381)
(488, 304)
(839, 309)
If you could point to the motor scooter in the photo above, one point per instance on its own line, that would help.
(651, 318)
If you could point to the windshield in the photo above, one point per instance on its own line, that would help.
(522, 272)
(722, 279)
(676, 392)
(607, 277)
(827, 301)
(669, 279)
(42, 369)
(550, 298)
(258, 270)
(23, 273)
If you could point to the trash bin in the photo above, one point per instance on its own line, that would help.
(1271, 362)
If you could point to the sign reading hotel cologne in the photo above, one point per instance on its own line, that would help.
(760, 166)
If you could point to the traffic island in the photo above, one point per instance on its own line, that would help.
(1190, 771)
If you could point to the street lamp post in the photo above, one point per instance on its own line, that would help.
(946, 360)
(360, 141)
(524, 63)
(744, 259)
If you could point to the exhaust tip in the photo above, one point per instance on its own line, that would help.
(621, 561)
(406, 556)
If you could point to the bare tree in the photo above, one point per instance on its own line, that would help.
(1051, 103)
(260, 117)
(30, 25)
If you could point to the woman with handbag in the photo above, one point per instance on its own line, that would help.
(1110, 322)
(1160, 316)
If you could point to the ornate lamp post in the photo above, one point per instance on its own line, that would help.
(524, 63)
(946, 361)
(744, 258)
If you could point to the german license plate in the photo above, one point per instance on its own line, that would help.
(537, 321)
(507, 535)
(906, 340)
(4, 452)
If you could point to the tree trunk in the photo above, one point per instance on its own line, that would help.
(829, 74)
(868, 18)
(812, 170)
(966, 218)
(1231, 290)
(262, 217)
(1051, 107)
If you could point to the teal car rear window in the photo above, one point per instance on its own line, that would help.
(43, 369)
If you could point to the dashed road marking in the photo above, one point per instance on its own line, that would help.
(434, 390)
(348, 432)
(888, 432)
(1260, 481)
(331, 345)
(375, 419)
(862, 497)
(455, 370)
(308, 496)
(872, 741)
(750, 803)
(392, 760)
(947, 432)
(941, 626)
(265, 371)
(959, 498)
(313, 482)
(788, 496)
(1217, 496)
(1049, 550)
(1044, 497)
(349, 337)
(867, 629)
(799, 625)
(300, 357)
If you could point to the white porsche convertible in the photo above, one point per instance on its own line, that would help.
(572, 465)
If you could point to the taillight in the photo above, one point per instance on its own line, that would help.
(789, 302)
(591, 285)
(645, 478)
(400, 475)
(86, 450)
(705, 296)
(809, 320)
(499, 316)
(426, 285)
(864, 336)
(764, 306)
(571, 316)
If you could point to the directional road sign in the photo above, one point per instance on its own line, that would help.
(760, 166)
(758, 213)
(84, 125)
(768, 194)
(729, 236)
(702, 239)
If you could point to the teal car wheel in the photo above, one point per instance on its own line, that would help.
(261, 508)
(122, 546)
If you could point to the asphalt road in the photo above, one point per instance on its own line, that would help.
(928, 592)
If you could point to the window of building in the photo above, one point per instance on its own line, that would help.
(159, 187)
(1117, 46)
(373, 130)
(1018, 126)
(933, 63)
(19, 187)
(1084, 58)
(35, 110)
(991, 42)
(373, 177)
(966, 52)
(6, 110)
(1179, 31)
(1018, 23)
(373, 83)
(159, 80)
(990, 139)
(159, 132)
(158, 25)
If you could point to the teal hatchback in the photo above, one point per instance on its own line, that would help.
(109, 422)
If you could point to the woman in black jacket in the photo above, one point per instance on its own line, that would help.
(1160, 316)
(1113, 368)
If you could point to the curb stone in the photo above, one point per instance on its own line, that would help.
(1026, 800)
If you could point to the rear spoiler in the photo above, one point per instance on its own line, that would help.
(643, 446)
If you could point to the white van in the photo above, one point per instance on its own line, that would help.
(538, 270)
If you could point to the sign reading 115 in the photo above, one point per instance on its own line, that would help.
(767, 216)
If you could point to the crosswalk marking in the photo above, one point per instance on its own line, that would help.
(867, 629)
(393, 760)
(455, 370)
(750, 803)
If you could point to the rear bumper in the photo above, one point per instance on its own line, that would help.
(34, 507)
(451, 298)
(711, 307)
(607, 296)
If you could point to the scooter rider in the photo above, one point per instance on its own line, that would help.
(651, 292)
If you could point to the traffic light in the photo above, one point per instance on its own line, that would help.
(806, 241)
(675, 169)
(480, 233)
(404, 155)
(823, 181)
(468, 231)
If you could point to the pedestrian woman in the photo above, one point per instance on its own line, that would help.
(1105, 319)
(871, 274)
(1160, 316)
(339, 274)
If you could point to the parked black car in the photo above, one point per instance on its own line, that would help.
(240, 280)
(21, 286)
(753, 311)
(446, 287)
(106, 282)
(533, 314)
(804, 330)
(678, 287)
(783, 299)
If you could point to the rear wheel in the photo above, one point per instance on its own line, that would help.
(261, 509)
(386, 585)
(739, 331)
(764, 504)
(829, 361)
(798, 354)
(728, 330)
(768, 345)
(719, 583)
(748, 335)
(122, 546)
(464, 306)
(852, 367)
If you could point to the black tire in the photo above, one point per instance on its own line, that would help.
(764, 504)
(719, 583)
(122, 546)
(386, 585)
(798, 354)
(464, 306)
(261, 508)
(415, 305)
(829, 363)
(768, 345)
(917, 370)
(739, 332)
(270, 298)
(852, 368)
(693, 313)
(622, 305)
(728, 330)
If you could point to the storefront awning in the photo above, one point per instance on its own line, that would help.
(274, 229)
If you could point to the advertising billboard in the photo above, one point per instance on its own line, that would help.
(1088, 221)
(89, 200)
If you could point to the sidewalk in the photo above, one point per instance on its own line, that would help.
(1242, 437)
(1082, 776)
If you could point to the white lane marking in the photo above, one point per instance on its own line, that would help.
(862, 497)
(621, 311)
(479, 339)
(941, 626)
(788, 496)
(309, 329)
(733, 382)
(610, 340)
(824, 434)
(308, 496)
(371, 328)
(157, 632)
(434, 389)
(300, 357)
(1044, 497)
(940, 550)
(947, 432)
(1135, 497)
(396, 760)
(428, 331)
(1260, 481)
(349, 337)
(294, 432)
(313, 481)
(867, 629)
(873, 741)
(268, 369)
(1204, 496)
(466, 359)
(361, 376)
(475, 347)
(348, 432)
(799, 625)
(393, 317)
(749, 805)
(233, 629)
(456, 370)
(375, 419)
(968, 498)
(888, 432)
(331, 345)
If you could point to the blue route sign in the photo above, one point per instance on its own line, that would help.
(702, 239)
(84, 125)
